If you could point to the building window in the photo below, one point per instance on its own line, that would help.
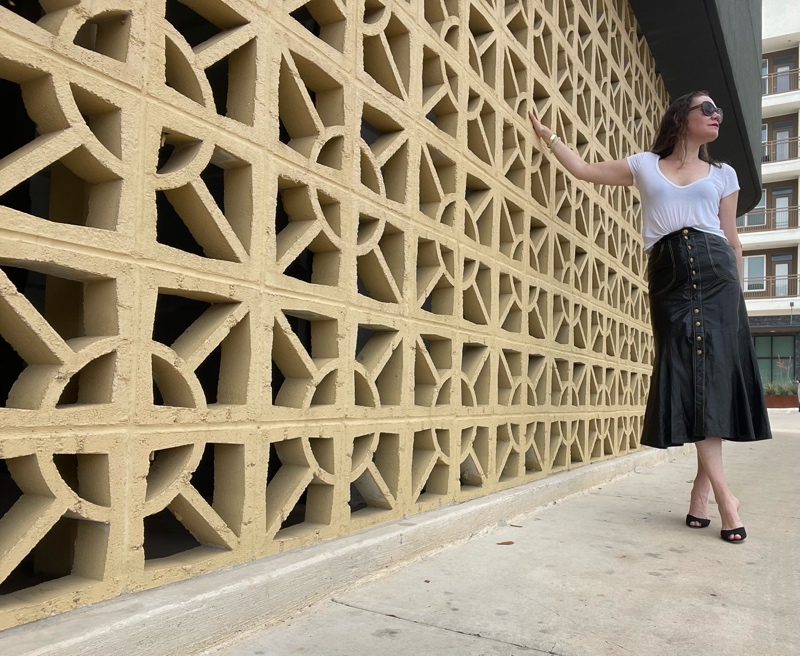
(755, 217)
(785, 77)
(754, 270)
(775, 355)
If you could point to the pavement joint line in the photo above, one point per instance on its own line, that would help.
(568, 619)
(550, 652)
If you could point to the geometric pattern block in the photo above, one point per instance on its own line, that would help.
(53, 500)
(511, 231)
(435, 277)
(482, 44)
(433, 371)
(477, 295)
(186, 482)
(325, 19)
(375, 474)
(482, 128)
(431, 463)
(443, 16)
(380, 260)
(219, 221)
(383, 154)
(74, 156)
(300, 487)
(475, 375)
(68, 343)
(511, 445)
(510, 381)
(263, 183)
(510, 303)
(378, 367)
(437, 197)
(207, 363)
(475, 457)
(214, 65)
(479, 218)
(386, 48)
(568, 387)
(308, 234)
(305, 360)
(440, 100)
(311, 111)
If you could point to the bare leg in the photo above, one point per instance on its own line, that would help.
(709, 451)
(698, 502)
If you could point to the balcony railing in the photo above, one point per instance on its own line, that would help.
(779, 150)
(771, 286)
(780, 82)
(780, 218)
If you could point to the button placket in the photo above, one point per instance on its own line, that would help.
(697, 329)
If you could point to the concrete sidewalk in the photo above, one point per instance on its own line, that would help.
(612, 572)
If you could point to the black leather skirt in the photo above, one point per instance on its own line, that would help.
(705, 379)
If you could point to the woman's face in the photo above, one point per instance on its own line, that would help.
(700, 126)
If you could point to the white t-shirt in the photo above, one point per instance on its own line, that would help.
(667, 207)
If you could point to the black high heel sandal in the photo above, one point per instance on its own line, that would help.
(691, 518)
(726, 534)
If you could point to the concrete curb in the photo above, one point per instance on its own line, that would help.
(192, 616)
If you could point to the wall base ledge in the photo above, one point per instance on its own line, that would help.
(194, 615)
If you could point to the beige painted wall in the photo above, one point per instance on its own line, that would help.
(356, 285)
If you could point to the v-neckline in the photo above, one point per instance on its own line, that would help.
(675, 184)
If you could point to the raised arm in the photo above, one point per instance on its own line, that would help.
(615, 172)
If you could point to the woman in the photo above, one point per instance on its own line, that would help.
(705, 385)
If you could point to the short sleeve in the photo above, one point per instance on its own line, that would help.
(731, 181)
(635, 164)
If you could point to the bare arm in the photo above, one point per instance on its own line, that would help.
(616, 172)
(727, 221)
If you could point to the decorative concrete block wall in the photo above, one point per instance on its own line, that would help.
(274, 272)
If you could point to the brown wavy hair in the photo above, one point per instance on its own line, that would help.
(672, 131)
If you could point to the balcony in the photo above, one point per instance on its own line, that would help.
(779, 159)
(771, 286)
(781, 82)
(782, 218)
(779, 150)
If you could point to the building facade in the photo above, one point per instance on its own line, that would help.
(274, 272)
(770, 233)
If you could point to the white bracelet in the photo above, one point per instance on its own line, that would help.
(553, 142)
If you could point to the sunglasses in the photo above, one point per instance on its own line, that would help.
(708, 109)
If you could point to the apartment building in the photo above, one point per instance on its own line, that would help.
(770, 232)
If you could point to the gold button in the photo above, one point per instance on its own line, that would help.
(686, 238)
(694, 286)
(699, 352)
(689, 246)
(699, 338)
(696, 311)
(694, 273)
(691, 259)
(696, 323)
(686, 231)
